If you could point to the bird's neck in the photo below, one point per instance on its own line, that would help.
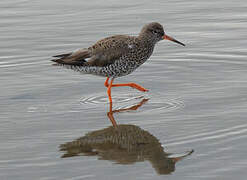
(147, 39)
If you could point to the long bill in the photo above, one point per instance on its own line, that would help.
(165, 37)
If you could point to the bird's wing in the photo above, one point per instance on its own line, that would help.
(110, 49)
(102, 53)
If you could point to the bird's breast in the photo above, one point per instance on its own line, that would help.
(139, 53)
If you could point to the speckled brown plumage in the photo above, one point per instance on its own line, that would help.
(117, 55)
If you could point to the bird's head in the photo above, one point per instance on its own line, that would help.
(155, 32)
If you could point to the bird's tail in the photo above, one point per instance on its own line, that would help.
(76, 58)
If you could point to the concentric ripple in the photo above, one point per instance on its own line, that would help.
(156, 103)
(102, 99)
(164, 105)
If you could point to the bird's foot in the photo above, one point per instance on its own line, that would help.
(133, 85)
(138, 87)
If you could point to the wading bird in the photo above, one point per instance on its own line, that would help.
(116, 56)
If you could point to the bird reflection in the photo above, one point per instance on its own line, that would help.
(134, 107)
(123, 144)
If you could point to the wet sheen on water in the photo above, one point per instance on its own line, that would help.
(197, 96)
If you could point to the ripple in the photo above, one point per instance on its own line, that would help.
(102, 99)
(18, 61)
(226, 135)
(164, 105)
(122, 101)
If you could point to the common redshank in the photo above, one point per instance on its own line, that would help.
(116, 56)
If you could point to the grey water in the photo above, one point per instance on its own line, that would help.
(197, 95)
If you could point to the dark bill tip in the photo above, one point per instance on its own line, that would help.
(172, 39)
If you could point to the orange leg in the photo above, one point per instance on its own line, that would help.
(133, 85)
(106, 82)
(109, 89)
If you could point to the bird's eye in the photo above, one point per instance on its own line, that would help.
(155, 32)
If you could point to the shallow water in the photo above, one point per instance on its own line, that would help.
(197, 98)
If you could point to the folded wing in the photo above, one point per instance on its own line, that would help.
(102, 53)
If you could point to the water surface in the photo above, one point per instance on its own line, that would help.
(197, 98)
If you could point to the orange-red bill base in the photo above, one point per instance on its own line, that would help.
(165, 37)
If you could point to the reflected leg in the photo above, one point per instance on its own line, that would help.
(111, 112)
(110, 116)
